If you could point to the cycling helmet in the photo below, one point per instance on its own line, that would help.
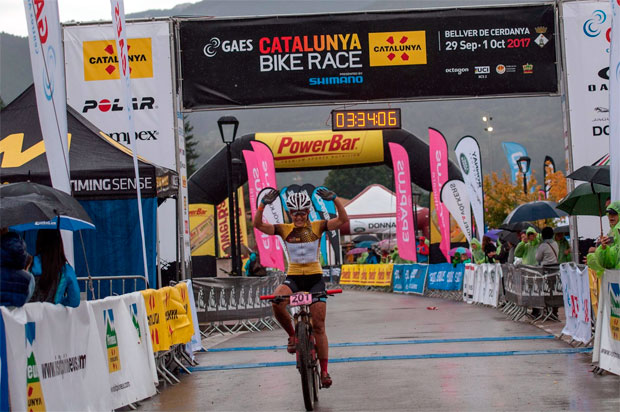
(298, 201)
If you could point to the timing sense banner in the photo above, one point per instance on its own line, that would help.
(202, 229)
(322, 148)
(367, 56)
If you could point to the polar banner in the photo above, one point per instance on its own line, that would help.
(129, 365)
(409, 278)
(469, 160)
(56, 359)
(577, 304)
(607, 343)
(454, 197)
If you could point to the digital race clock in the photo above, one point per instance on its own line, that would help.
(365, 119)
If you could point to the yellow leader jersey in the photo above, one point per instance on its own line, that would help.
(302, 245)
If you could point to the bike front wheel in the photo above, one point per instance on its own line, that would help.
(306, 370)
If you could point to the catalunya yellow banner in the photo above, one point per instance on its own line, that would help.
(177, 322)
(322, 148)
(366, 275)
(184, 333)
(202, 229)
(155, 312)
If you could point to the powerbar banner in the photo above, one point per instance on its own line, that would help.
(223, 228)
(468, 155)
(56, 359)
(322, 148)
(202, 229)
(367, 56)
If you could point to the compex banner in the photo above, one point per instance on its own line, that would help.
(367, 56)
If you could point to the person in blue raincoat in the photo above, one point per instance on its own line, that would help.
(55, 279)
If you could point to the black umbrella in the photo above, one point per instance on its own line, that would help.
(26, 202)
(592, 174)
(362, 238)
(518, 226)
(508, 236)
(562, 229)
(540, 209)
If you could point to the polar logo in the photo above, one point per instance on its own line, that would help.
(210, 48)
(592, 26)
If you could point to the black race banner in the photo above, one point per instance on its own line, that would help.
(368, 56)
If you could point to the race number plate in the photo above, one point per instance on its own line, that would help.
(299, 299)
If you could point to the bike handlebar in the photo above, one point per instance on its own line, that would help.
(328, 292)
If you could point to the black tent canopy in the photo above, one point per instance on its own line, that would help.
(101, 168)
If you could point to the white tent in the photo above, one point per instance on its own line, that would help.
(373, 210)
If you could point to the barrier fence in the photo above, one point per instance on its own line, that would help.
(110, 352)
(228, 305)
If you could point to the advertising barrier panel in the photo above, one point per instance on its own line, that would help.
(367, 275)
(367, 56)
(445, 276)
(577, 304)
(607, 343)
(410, 278)
(51, 348)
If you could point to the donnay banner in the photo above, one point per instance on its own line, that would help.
(405, 230)
(468, 155)
(438, 151)
(454, 197)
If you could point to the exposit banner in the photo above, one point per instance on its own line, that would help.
(468, 156)
(586, 35)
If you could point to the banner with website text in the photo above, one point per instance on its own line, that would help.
(366, 56)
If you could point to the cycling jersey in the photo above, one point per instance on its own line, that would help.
(302, 245)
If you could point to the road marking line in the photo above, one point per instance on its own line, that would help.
(394, 342)
(567, 351)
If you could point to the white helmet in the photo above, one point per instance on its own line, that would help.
(298, 201)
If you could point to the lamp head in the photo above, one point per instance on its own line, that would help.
(229, 121)
(524, 164)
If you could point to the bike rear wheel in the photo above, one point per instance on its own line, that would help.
(306, 370)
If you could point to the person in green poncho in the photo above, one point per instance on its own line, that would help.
(607, 254)
(526, 249)
(564, 254)
(477, 254)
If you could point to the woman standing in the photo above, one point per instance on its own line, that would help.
(55, 279)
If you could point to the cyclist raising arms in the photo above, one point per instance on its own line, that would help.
(301, 239)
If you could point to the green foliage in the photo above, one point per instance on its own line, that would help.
(190, 146)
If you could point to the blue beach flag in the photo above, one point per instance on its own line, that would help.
(513, 152)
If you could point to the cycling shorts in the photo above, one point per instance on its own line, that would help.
(307, 283)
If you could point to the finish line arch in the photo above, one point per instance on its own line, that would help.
(315, 150)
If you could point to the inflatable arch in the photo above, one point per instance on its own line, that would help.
(315, 150)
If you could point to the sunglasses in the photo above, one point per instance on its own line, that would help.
(299, 213)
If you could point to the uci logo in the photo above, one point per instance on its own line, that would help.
(592, 26)
(211, 48)
(464, 163)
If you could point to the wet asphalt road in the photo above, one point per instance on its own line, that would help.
(532, 381)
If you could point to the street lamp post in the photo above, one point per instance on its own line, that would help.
(236, 170)
(489, 129)
(524, 166)
(228, 138)
(416, 199)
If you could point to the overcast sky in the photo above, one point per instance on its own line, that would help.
(13, 16)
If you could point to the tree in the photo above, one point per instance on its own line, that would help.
(557, 190)
(349, 182)
(501, 196)
(190, 146)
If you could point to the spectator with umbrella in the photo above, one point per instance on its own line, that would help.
(489, 248)
(607, 254)
(526, 249)
(16, 284)
(564, 250)
(547, 251)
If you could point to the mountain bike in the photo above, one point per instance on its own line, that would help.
(306, 352)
